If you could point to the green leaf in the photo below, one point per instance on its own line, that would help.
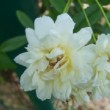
(59, 5)
(108, 15)
(24, 19)
(13, 44)
(98, 28)
(46, 3)
(5, 62)
(93, 14)
(103, 2)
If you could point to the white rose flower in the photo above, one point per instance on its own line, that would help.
(101, 66)
(84, 60)
(51, 58)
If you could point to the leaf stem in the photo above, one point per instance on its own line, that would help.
(107, 21)
(67, 6)
(86, 17)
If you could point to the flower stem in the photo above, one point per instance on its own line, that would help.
(67, 6)
(87, 20)
(107, 21)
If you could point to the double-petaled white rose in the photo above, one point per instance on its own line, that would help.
(101, 67)
(51, 58)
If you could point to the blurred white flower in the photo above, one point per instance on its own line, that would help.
(51, 58)
(101, 66)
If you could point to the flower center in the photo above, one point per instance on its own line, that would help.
(57, 62)
(53, 62)
(57, 58)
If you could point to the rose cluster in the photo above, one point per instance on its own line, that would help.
(61, 63)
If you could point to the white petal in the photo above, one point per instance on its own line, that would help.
(100, 92)
(86, 55)
(64, 24)
(23, 59)
(102, 43)
(26, 80)
(51, 75)
(83, 62)
(81, 38)
(96, 94)
(62, 91)
(42, 64)
(35, 79)
(54, 53)
(81, 96)
(44, 90)
(67, 76)
(51, 41)
(82, 76)
(31, 37)
(36, 54)
(107, 67)
(42, 26)
(102, 64)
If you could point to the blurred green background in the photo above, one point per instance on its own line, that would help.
(11, 27)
